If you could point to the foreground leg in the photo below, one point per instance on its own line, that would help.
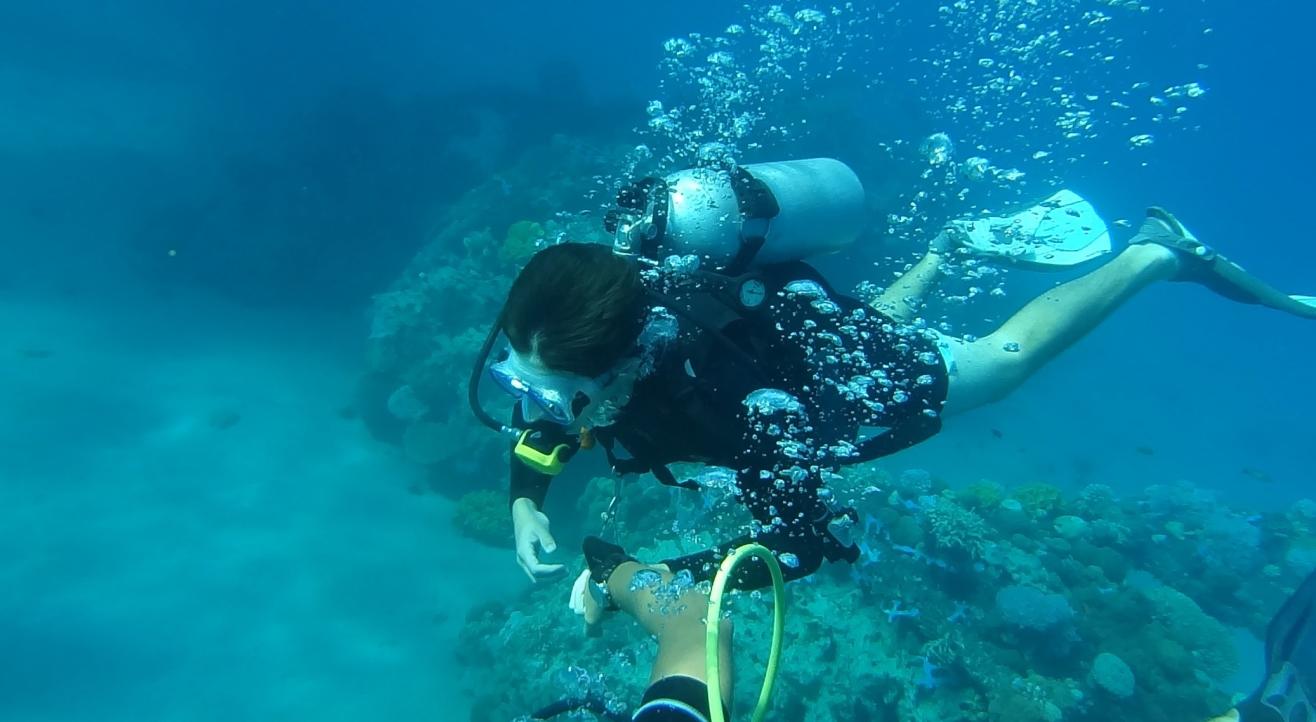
(991, 367)
(675, 615)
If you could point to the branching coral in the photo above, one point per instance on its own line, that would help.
(955, 528)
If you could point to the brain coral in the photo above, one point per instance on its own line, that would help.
(1028, 607)
(1111, 674)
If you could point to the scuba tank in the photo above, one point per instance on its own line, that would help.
(754, 214)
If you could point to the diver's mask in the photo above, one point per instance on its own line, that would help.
(556, 409)
(556, 396)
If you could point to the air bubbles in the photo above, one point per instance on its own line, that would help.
(975, 168)
(937, 149)
(771, 401)
(644, 579)
(681, 265)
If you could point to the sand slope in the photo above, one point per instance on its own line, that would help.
(158, 566)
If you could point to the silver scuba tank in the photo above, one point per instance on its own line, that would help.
(754, 214)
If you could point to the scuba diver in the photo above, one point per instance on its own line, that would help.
(700, 336)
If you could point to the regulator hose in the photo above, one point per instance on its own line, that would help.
(728, 567)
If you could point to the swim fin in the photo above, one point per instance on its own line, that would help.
(1060, 232)
(1202, 264)
(1288, 691)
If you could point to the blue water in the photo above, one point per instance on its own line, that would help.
(198, 200)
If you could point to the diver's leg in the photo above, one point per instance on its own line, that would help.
(991, 367)
(903, 299)
(676, 620)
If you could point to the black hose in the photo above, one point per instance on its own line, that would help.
(477, 371)
(592, 703)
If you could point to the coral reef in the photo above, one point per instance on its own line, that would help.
(1112, 675)
(427, 327)
(954, 528)
(482, 515)
(522, 240)
(980, 604)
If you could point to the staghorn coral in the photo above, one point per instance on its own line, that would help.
(954, 528)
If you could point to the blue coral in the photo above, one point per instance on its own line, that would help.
(1027, 607)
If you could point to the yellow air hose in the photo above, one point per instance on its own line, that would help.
(715, 615)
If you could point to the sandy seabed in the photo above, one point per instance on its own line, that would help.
(192, 531)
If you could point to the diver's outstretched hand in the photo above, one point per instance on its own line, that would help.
(530, 528)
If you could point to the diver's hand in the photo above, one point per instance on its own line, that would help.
(530, 526)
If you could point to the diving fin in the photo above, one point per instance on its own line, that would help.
(1060, 232)
(1202, 264)
(1288, 691)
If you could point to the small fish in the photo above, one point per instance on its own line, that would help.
(35, 353)
(997, 433)
(224, 419)
(1252, 472)
(1146, 450)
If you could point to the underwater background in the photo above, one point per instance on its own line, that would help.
(231, 233)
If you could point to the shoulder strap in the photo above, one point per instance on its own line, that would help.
(640, 464)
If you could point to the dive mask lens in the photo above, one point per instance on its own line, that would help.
(552, 399)
(552, 404)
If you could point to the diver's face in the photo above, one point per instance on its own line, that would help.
(601, 398)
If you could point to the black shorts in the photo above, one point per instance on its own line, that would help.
(677, 698)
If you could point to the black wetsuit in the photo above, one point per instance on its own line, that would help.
(848, 366)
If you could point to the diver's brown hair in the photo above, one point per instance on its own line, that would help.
(578, 305)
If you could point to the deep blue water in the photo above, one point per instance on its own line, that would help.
(293, 157)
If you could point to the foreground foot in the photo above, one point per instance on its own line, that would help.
(1198, 262)
(1202, 264)
(1162, 261)
(1164, 233)
(584, 603)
